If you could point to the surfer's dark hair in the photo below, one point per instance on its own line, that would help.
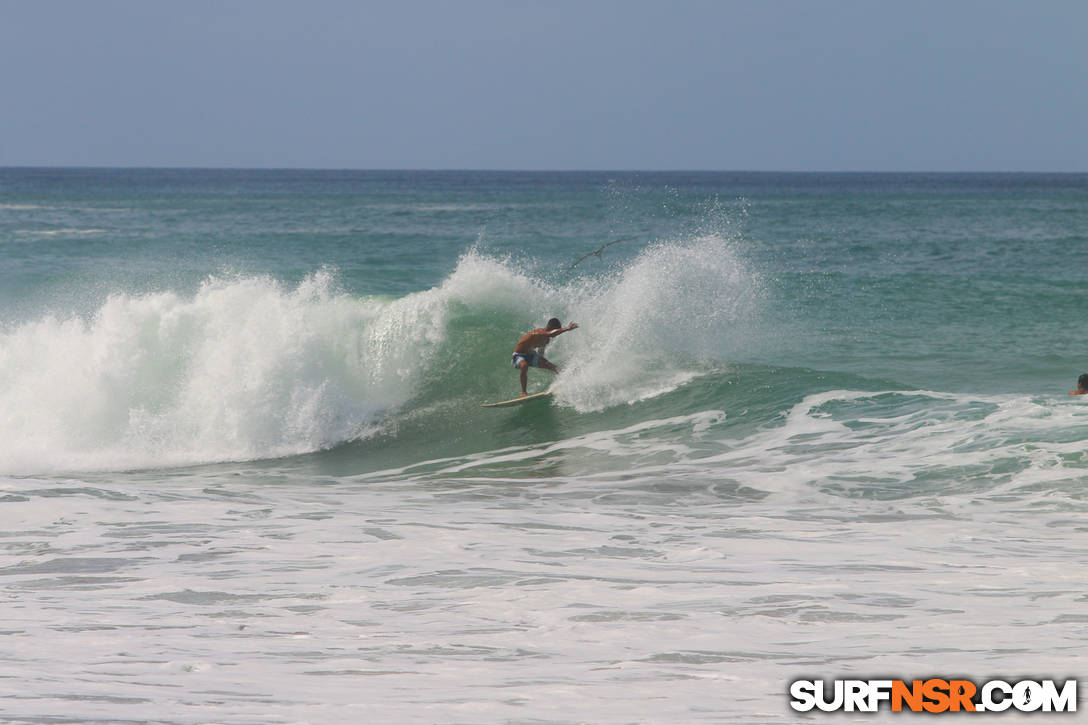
(1082, 382)
(553, 324)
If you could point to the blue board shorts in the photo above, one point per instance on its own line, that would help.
(533, 358)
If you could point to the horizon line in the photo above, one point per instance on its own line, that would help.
(423, 169)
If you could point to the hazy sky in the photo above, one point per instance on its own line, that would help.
(911, 85)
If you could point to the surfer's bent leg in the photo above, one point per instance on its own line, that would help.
(523, 365)
(523, 361)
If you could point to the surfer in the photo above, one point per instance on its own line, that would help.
(1082, 386)
(529, 352)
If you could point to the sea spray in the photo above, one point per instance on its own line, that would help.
(676, 311)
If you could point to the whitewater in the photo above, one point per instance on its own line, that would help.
(810, 427)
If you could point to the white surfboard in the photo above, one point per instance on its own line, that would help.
(518, 401)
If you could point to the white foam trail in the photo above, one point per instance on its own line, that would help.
(952, 450)
(626, 443)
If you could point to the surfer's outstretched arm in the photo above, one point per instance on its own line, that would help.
(561, 330)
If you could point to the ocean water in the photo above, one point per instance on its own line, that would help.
(811, 426)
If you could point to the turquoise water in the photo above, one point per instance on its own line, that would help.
(811, 424)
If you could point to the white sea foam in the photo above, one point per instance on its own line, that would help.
(246, 368)
(906, 444)
(831, 446)
(256, 595)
